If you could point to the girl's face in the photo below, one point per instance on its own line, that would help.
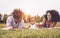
(32, 21)
(48, 16)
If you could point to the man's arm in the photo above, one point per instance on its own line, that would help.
(8, 23)
(21, 25)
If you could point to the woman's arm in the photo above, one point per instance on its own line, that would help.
(43, 21)
(40, 25)
(53, 24)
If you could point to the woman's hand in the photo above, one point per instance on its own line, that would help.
(39, 25)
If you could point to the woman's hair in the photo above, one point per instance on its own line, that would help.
(54, 14)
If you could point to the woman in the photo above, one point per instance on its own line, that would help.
(50, 19)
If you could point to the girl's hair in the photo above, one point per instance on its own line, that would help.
(54, 14)
(31, 19)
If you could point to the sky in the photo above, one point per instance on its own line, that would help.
(31, 7)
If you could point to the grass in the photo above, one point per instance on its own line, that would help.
(30, 33)
(58, 24)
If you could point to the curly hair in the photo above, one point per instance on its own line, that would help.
(17, 13)
(54, 14)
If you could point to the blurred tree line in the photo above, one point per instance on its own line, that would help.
(3, 18)
(26, 18)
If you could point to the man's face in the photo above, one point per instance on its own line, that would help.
(15, 17)
(16, 20)
(17, 14)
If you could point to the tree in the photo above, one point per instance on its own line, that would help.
(5, 18)
(41, 18)
(37, 18)
(0, 16)
(26, 18)
(59, 18)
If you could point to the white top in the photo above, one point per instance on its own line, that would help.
(33, 26)
(11, 23)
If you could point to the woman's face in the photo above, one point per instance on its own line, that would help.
(48, 16)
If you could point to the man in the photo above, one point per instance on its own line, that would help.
(15, 21)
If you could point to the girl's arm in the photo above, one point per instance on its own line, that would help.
(27, 27)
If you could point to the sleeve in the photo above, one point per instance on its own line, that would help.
(8, 23)
(21, 25)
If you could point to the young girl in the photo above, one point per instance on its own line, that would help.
(32, 24)
(50, 19)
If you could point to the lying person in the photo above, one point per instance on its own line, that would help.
(15, 22)
(32, 24)
(50, 19)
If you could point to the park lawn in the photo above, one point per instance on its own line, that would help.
(58, 24)
(30, 33)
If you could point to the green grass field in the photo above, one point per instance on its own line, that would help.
(30, 33)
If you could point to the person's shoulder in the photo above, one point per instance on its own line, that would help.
(10, 17)
(22, 20)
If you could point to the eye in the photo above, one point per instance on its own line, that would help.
(15, 16)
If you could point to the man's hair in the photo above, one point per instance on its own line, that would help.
(17, 11)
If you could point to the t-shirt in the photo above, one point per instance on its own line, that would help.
(33, 26)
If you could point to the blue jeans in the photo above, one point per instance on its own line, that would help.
(44, 26)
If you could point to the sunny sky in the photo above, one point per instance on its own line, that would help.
(32, 7)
